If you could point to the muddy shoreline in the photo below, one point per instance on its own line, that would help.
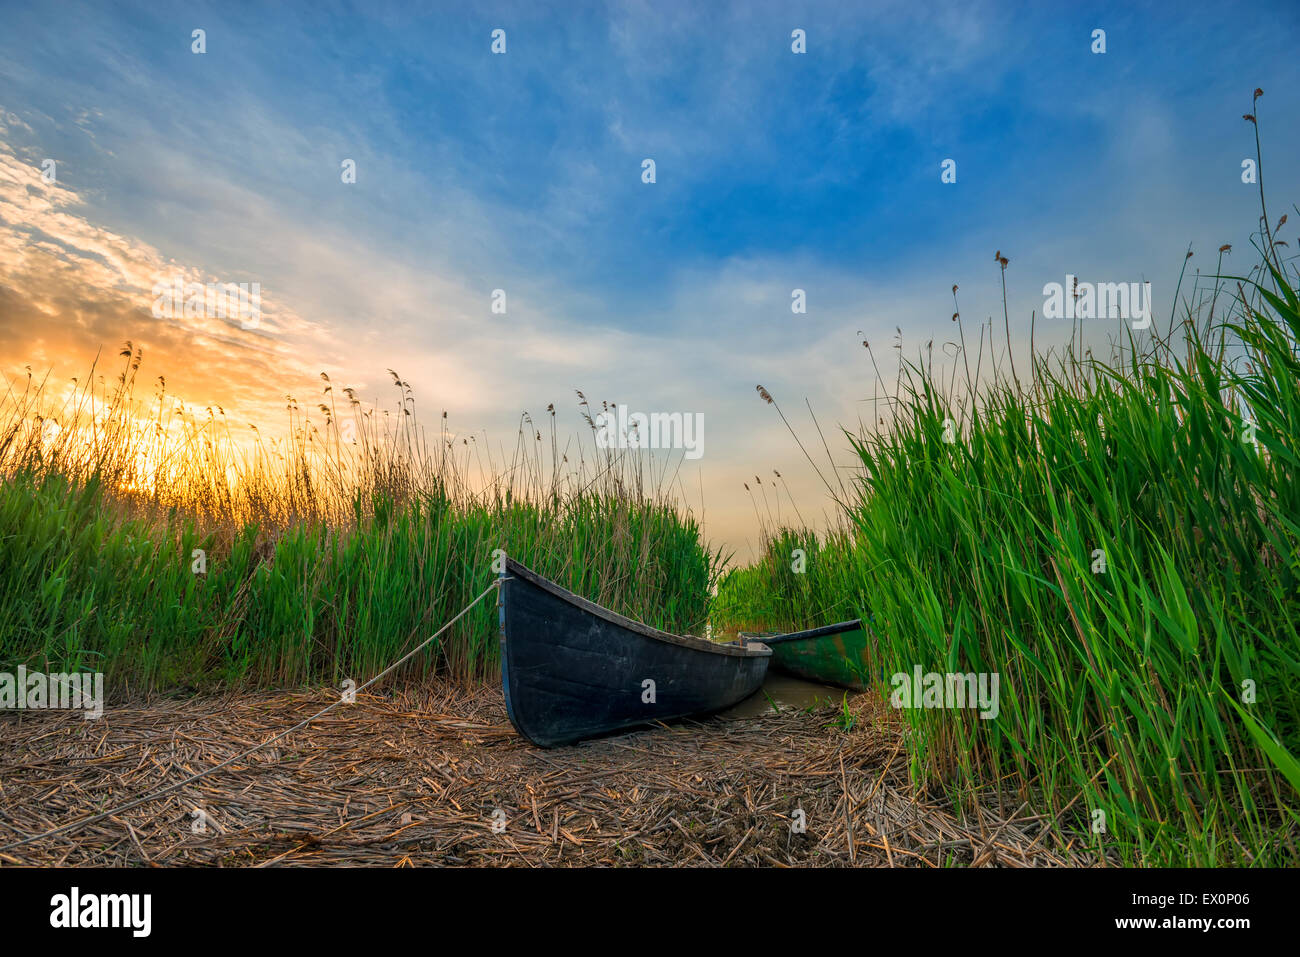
(437, 776)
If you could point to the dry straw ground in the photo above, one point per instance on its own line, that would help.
(416, 778)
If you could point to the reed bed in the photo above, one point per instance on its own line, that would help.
(798, 582)
(160, 546)
(1116, 539)
(422, 777)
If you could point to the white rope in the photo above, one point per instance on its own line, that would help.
(257, 747)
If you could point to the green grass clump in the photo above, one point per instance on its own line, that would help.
(796, 584)
(326, 559)
(1112, 544)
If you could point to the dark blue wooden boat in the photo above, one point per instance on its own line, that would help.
(572, 669)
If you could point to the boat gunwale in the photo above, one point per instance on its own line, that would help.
(824, 631)
(690, 642)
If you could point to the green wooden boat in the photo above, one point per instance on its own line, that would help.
(832, 654)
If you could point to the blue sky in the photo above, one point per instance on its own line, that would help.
(774, 170)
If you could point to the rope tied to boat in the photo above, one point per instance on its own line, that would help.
(162, 792)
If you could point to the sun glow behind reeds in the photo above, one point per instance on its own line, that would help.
(166, 545)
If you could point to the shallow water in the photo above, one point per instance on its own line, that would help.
(787, 692)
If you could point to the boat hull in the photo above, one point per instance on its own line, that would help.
(834, 655)
(571, 669)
